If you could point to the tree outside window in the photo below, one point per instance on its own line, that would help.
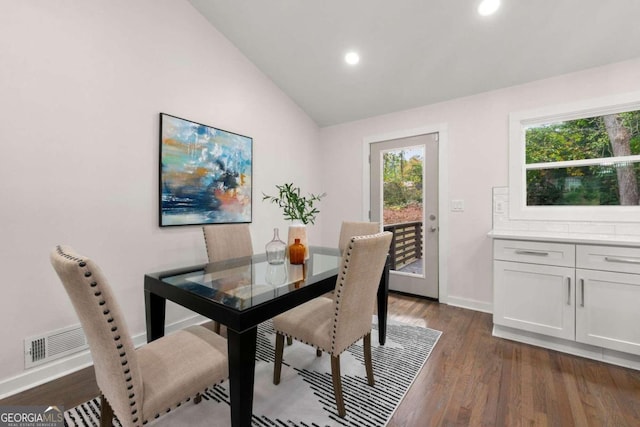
(591, 161)
(402, 187)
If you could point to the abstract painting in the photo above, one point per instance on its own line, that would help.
(205, 174)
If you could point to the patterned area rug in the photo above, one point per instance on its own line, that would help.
(305, 394)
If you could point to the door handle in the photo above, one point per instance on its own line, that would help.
(568, 290)
(622, 260)
(582, 292)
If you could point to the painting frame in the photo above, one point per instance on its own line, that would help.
(205, 174)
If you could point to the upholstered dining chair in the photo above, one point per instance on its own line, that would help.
(138, 385)
(348, 229)
(333, 325)
(226, 241)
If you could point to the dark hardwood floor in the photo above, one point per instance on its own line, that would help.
(474, 379)
(471, 379)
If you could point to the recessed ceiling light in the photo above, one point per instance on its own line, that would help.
(488, 7)
(352, 58)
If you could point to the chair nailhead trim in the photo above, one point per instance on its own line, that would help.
(119, 346)
(98, 294)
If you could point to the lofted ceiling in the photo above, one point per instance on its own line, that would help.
(418, 52)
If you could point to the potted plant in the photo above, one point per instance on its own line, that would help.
(294, 205)
(299, 209)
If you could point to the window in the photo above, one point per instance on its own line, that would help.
(577, 162)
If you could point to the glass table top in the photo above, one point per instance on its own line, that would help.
(246, 282)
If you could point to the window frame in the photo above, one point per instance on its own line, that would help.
(518, 121)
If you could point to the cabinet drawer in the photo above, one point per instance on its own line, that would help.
(560, 254)
(608, 258)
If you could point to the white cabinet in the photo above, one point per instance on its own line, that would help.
(534, 287)
(536, 298)
(584, 299)
(608, 298)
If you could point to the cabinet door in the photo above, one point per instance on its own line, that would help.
(536, 298)
(608, 310)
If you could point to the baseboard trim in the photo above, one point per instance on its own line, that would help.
(471, 304)
(72, 363)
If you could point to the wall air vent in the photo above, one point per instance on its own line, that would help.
(53, 345)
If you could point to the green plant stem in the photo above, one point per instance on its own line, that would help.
(295, 206)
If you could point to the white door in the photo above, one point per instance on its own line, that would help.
(404, 198)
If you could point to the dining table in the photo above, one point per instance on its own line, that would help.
(241, 293)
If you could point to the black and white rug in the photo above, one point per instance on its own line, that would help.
(305, 394)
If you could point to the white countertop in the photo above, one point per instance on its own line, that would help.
(542, 236)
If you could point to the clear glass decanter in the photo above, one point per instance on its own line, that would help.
(275, 249)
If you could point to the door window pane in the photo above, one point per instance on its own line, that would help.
(403, 206)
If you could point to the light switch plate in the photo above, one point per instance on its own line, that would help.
(457, 205)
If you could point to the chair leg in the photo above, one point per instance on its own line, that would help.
(197, 399)
(277, 365)
(337, 385)
(216, 328)
(367, 358)
(106, 412)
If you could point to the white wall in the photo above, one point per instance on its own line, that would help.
(478, 160)
(81, 86)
